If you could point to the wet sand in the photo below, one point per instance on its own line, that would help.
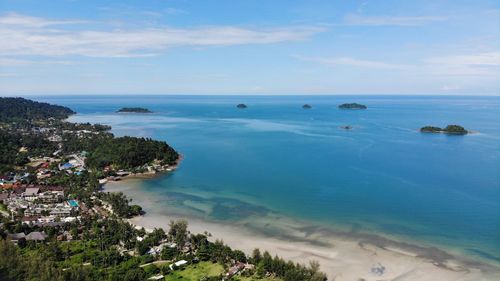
(343, 255)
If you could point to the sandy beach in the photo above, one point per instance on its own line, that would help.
(342, 255)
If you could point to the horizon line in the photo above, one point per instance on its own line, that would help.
(249, 94)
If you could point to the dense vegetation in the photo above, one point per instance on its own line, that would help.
(24, 109)
(352, 106)
(450, 129)
(134, 110)
(241, 106)
(23, 117)
(98, 255)
(431, 129)
(130, 152)
(12, 154)
(120, 204)
(306, 106)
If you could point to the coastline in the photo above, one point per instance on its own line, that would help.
(145, 175)
(342, 255)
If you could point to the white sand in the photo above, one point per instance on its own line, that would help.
(340, 256)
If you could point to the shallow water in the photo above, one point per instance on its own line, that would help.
(276, 158)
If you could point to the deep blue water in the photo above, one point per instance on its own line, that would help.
(382, 176)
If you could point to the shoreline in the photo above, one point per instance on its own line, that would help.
(144, 175)
(342, 255)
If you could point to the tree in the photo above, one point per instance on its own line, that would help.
(204, 253)
(136, 274)
(169, 253)
(256, 256)
(238, 255)
(22, 242)
(178, 232)
(142, 247)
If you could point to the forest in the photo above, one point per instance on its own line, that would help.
(24, 109)
(130, 152)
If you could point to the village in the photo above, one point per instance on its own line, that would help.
(28, 197)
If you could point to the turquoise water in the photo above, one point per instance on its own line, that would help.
(73, 203)
(275, 157)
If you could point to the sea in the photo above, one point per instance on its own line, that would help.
(276, 159)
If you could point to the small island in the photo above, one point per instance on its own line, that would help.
(450, 129)
(241, 105)
(134, 110)
(346, 127)
(352, 106)
(306, 106)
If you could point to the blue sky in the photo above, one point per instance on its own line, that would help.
(249, 47)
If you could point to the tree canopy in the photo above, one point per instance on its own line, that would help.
(130, 152)
(24, 109)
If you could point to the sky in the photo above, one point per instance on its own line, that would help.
(261, 47)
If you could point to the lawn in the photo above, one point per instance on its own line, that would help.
(195, 272)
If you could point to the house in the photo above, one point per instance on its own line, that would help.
(46, 219)
(234, 270)
(69, 219)
(29, 219)
(51, 196)
(61, 210)
(157, 277)
(14, 237)
(4, 196)
(178, 264)
(52, 224)
(31, 193)
(65, 166)
(36, 236)
(65, 236)
(156, 250)
(122, 173)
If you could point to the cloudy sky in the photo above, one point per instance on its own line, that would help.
(249, 47)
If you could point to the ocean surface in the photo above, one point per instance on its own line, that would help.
(276, 159)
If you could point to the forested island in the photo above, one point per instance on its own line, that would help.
(56, 223)
(352, 106)
(241, 106)
(134, 110)
(306, 106)
(450, 129)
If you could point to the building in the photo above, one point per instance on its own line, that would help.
(178, 264)
(14, 237)
(36, 236)
(157, 277)
(61, 210)
(239, 266)
(31, 193)
(51, 196)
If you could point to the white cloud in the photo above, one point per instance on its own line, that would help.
(23, 62)
(353, 19)
(13, 19)
(22, 35)
(352, 62)
(482, 59)
(8, 75)
(448, 88)
(479, 65)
